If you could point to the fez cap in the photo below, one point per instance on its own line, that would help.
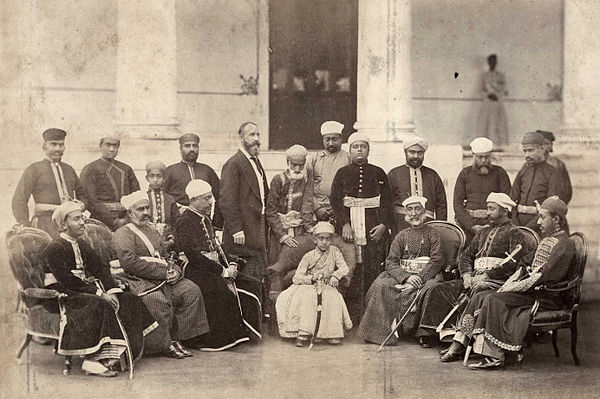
(331, 127)
(54, 134)
(60, 214)
(197, 187)
(532, 138)
(501, 199)
(296, 153)
(481, 145)
(155, 165)
(323, 228)
(416, 140)
(547, 135)
(111, 137)
(128, 201)
(555, 205)
(189, 137)
(415, 199)
(358, 137)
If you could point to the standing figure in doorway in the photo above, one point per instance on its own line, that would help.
(491, 122)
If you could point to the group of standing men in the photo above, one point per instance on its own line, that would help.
(186, 203)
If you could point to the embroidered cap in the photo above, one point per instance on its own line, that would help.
(197, 187)
(128, 201)
(416, 140)
(415, 199)
(331, 127)
(555, 205)
(323, 228)
(501, 199)
(189, 137)
(481, 145)
(358, 137)
(296, 153)
(155, 165)
(60, 214)
(532, 138)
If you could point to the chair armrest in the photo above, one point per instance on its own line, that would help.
(560, 287)
(42, 293)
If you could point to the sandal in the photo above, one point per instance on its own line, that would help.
(488, 363)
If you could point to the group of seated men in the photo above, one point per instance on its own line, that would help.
(214, 297)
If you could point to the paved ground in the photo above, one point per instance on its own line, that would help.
(277, 369)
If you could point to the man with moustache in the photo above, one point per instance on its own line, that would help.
(561, 168)
(536, 181)
(324, 165)
(503, 317)
(244, 192)
(361, 202)
(413, 263)
(106, 180)
(175, 302)
(178, 175)
(480, 268)
(289, 208)
(473, 185)
(51, 182)
(412, 179)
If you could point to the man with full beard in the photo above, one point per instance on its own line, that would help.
(481, 267)
(473, 185)
(289, 208)
(244, 192)
(178, 175)
(413, 178)
(413, 263)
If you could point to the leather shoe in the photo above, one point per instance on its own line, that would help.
(488, 363)
(454, 353)
(424, 343)
(173, 353)
(444, 351)
(186, 352)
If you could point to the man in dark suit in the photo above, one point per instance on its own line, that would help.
(244, 190)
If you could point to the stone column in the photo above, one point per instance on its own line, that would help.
(146, 99)
(581, 87)
(384, 78)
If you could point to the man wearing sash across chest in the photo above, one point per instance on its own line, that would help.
(89, 323)
(412, 266)
(175, 302)
(503, 317)
(361, 202)
(483, 265)
(232, 299)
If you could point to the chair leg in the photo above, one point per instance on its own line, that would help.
(68, 365)
(555, 342)
(574, 338)
(23, 346)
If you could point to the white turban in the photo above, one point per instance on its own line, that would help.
(296, 153)
(128, 201)
(357, 137)
(414, 199)
(481, 145)
(416, 140)
(60, 214)
(323, 228)
(331, 127)
(197, 187)
(501, 199)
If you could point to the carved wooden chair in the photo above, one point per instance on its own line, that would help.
(570, 289)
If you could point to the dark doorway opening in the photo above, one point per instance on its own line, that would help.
(313, 62)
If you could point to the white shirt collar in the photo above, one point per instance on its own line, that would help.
(243, 150)
(67, 237)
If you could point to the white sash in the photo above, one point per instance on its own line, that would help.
(144, 239)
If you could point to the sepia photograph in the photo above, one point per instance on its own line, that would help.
(300, 199)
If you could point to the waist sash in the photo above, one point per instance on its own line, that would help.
(357, 216)
(402, 211)
(290, 220)
(486, 263)
(529, 210)
(44, 209)
(414, 266)
(477, 213)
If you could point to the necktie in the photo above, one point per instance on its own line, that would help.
(258, 166)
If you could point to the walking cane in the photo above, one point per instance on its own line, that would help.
(401, 319)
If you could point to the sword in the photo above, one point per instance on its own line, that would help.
(401, 319)
(319, 308)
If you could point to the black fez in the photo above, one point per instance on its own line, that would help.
(189, 137)
(547, 135)
(54, 134)
(533, 138)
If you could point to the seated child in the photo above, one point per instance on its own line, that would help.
(320, 270)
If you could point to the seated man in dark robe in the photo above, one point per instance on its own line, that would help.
(483, 266)
(411, 268)
(232, 300)
(94, 300)
(504, 316)
(175, 302)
